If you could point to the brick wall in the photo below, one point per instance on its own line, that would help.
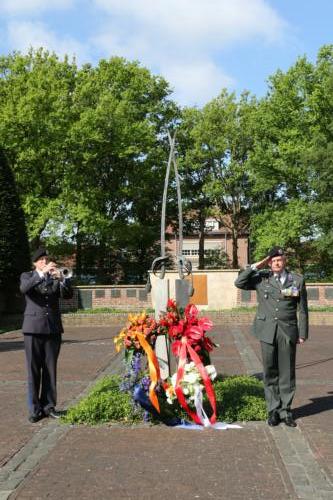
(125, 297)
(129, 297)
(319, 294)
(218, 318)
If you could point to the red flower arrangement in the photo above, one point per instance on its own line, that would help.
(189, 325)
(189, 343)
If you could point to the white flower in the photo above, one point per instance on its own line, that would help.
(190, 366)
(211, 370)
(191, 378)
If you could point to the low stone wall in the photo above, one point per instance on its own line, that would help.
(214, 290)
(218, 318)
(125, 297)
(319, 294)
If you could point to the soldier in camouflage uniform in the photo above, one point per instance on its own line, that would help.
(281, 294)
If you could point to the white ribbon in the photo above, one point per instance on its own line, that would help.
(204, 418)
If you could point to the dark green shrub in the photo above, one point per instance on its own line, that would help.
(105, 403)
(14, 247)
(239, 398)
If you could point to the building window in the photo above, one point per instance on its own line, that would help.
(186, 252)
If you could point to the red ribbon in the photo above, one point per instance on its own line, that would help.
(184, 349)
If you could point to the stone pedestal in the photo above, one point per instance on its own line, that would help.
(160, 292)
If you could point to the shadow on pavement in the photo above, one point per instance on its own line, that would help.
(318, 405)
(84, 341)
(312, 363)
(11, 346)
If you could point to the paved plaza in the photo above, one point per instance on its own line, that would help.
(49, 460)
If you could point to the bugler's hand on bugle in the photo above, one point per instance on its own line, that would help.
(52, 269)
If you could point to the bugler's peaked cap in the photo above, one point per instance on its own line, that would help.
(276, 252)
(40, 252)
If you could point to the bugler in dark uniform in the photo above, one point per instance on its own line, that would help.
(42, 329)
(281, 294)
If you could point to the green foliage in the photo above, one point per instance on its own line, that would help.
(88, 150)
(14, 248)
(291, 163)
(216, 259)
(105, 403)
(283, 226)
(87, 147)
(35, 115)
(238, 398)
(215, 144)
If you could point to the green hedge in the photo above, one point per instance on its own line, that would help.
(238, 398)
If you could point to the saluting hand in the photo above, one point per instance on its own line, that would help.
(262, 263)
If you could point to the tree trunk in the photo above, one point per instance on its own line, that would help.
(202, 241)
(234, 236)
(78, 263)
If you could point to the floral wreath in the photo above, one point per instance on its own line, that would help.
(186, 331)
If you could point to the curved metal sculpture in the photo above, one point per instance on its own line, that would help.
(184, 266)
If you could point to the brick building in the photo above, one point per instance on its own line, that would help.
(218, 237)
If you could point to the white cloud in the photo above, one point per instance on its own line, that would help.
(183, 39)
(209, 21)
(195, 83)
(23, 35)
(22, 7)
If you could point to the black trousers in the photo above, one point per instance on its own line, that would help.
(41, 352)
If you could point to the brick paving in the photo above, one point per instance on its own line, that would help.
(85, 352)
(161, 463)
(50, 460)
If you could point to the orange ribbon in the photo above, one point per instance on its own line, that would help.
(154, 369)
(186, 348)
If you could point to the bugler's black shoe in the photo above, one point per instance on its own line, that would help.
(273, 419)
(35, 417)
(289, 421)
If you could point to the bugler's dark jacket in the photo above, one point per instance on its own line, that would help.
(42, 312)
(275, 306)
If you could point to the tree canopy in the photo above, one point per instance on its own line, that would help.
(14, 247)
(88, 150)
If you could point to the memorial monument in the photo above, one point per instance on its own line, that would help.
(161, 286)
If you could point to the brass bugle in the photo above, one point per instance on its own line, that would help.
(65, 272)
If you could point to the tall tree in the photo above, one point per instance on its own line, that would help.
(195, 168)
(35, 114)
(291, 166)
(222, 139)
(14, 247)
(87, 149)
(118, 155)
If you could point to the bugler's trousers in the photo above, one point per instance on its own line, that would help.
(42, 353)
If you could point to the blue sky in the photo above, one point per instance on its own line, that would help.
(199, 46)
